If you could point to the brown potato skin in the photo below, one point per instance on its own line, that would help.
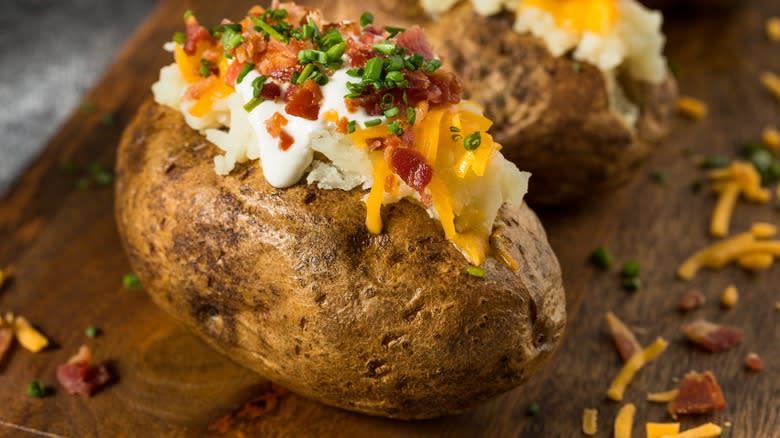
(291, 284)
(551, 114)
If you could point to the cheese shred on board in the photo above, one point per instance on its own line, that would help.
(629, 370)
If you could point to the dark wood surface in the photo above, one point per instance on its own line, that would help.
(69, 266)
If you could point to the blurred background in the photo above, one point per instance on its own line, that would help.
(51, 52)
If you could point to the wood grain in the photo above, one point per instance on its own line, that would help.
(69, 266)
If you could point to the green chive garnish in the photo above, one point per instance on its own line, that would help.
(475, 271)
(188, 14)
(92, 332)
(630, 269)
(659, 176)
(472, 142)
(204, 68)
(411, 116)
(261, 25)
(391, 112)
(87, 107)
(351, 126)
(36, 389)
(393, 31)
(601, 258)
(373, 69)
(179, 38)
(131, 281)
(366, 19)
(395, 128)
(384, 48)
(714, 162)
(244, 71)
(431, 66)
(532, 409)
(631, 284)
(252, 104)
(373, 122)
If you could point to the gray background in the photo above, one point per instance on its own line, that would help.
(51, 52)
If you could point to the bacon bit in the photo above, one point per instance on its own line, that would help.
(274, 124)
(359, 52)
(270, 91)
(414, 40)
(699, 394)
(691, 300)
(198, 88)
(729, 297)
(411, 166)
(712, 337)
(590, 422)
(662, 397)
(253, 48)
(195, 34)
(280, 60)
(78, 377)
(753, 362)
(624, 338)
(232, 73)
(251, 410)
(285, 140)
(304, 101)
(629, 370)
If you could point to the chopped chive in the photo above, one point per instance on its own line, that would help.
(336, 52)
(204, 68)
(179, 38)
(36, 389)
(261, 25)
(411, 116)
(351, 126)
(388, 100)
(631, 284)
(307, 71)
(714, 162)
(279, 14)
(431, 66)
(244, 71)
(87, 107)
(366, 18)
(131, 281)
(414, 61)
(601, 258)
(373, 122)
(69, 167)
(384, 48)
(330, 39)
(659, 176)
(92, 332)
(391, 112)
(252, 104)
(355, 72)
(103, 178)
(83, 183)
(472, 142)
(630, 269)
(231, 39)
(395, 128)
(395, 77)
(454, 129)
(696, 186)
(475, 271)
(108, 119)
(188, 13)
(257, 86)
(393, 31)
(394, 63)
(577, 67)
(373, 69)
(675, 68)
(532, 409)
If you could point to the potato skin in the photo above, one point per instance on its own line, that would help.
(291, 284)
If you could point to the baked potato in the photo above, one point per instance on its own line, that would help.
(556, 117)
(289, 282)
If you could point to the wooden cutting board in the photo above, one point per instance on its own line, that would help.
(69, 266)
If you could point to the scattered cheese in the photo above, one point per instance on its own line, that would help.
(729, 297)
(626, 374)
(740, 178)
(732, 249)
(777, 306)
(708, 430)
(756, 262)
(691, 107)
(624, 421)
(773, 28)
(657, 430)
(26, 334)
(771, 138)
(662, 397)
(772, 83)
(590, 422)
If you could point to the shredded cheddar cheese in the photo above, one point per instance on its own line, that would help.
(624, 421)
(662, 397)
(773, 28)
(772, 83)
(596, 16)
(630, 368)
(27, 336)
(729, 297)
(708, 430)
(691, 107)
(732, 249)
(590, 422)
(740, 178)
(658, 430)
(771, 138)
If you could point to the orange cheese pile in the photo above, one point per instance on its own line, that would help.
(740, 178)
(213, 90)
(596, 16)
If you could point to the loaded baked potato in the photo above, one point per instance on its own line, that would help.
(581, 129)
(415, 319)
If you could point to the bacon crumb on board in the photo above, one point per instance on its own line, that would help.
(77, 376)
(624, 338)
(711, 336)
(251, 410)
(698, 394)
(691, 300)
(753, 362)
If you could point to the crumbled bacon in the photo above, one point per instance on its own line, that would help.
(296, 14)
(285, 140)
(414, 40)
(253, 48)
(624, 338)
(78, 377)
(280, 60)
(6, 336)
(691, 300)
(251, 410)
(195, 34)
(196, 90)
(753, 362)
(270, 91)
(411, 167)
(712, 337)
(697, 394)
(274, 124)
(232, 73)
(359, 52)
(304, 100)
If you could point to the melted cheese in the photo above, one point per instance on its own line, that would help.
(596, 16)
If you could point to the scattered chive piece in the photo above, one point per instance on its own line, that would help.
(188, 14)
(675, 68)
(252, 104)
(475, 271)
(431, 66)
(391, 112)
(454, 129)
(204, 68)
(336, 52)
(92, 332)
(36, 389)
(659, 176)
(630, 269)
(179, 38)
(108, 119)
(696, 186)
(393, 31)
(373, 69)
(601, 258)
(257, 85)
(631, 284)
(244, 71)
(532, 409)
(395, 128)
(411, 116)
(82, 183)
(577, 67)
(373, 122)
(351, 126)
(69, 167)
(714, 162)
(366, 19)
(472, 142)
(87, 107)
(307, 71)
(104, 178)
(131, 281)
(265, 27)
(384, 48)
(355, 72)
